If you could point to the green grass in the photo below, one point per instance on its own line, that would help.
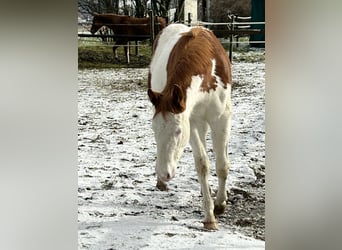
(96, 54)
(92, 53)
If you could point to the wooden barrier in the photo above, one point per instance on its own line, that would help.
(236, 27)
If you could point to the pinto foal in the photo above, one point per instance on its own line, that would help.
(189, 85)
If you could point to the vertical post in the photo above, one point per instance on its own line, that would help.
(150, 13)
(189, 19)
(136, 48)
(190, 6)
(127, 52)
(208, 11)
(232, 18)
(237, 36)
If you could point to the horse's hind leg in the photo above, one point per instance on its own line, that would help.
(220, 131)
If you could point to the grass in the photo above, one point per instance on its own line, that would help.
(96, 54)
(93, 53)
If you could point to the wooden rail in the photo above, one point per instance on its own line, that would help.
(111, 36)
(236, 27)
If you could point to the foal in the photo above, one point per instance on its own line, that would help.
(189, 85)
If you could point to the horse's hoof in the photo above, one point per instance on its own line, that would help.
(210, 225)
(162, 186)
(219, 209)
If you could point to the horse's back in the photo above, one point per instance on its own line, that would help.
(182, 51)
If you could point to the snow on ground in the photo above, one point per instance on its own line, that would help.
(119, 205)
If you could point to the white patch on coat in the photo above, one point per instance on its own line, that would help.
(217, 78)
(167, 40)
(215, 98)
(204, 104)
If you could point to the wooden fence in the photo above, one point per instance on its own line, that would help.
(235, 28)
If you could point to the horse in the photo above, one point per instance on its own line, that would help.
(189, 86)
(126, 28)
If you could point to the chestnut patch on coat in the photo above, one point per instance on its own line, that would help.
(192, 55)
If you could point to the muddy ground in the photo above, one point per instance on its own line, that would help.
(119, 205)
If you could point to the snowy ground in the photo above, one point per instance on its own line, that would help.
(119, 205)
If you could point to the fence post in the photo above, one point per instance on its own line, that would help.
(150, 13)
(189, 19)
(136, 48)
(232, 19)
